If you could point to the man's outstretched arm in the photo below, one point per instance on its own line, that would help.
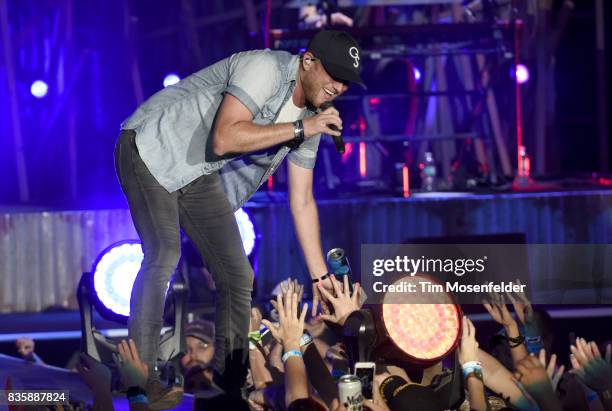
(306, 218)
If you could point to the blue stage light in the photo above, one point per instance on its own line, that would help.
(171, 79)
(39, 89)
(114, 273)
(247, 230)
(116, 267)
(417, 73)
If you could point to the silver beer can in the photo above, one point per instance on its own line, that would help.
(349, 391)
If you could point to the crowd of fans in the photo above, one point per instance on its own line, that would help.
(297, 354)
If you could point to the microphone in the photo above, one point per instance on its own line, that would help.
(338, 141)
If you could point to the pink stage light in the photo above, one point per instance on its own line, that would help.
(406, 181)
(362, 159)
(425, 331)
(522, 74)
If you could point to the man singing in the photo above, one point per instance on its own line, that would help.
(194, 152)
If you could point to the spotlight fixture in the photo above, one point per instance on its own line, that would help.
(113, 275)
(425, 330)
(417, 334)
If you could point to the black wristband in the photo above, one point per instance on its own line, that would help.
(135, 391)
(323, 277)
(298, 134)
(514, 342)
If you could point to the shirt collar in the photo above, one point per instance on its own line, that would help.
(292, 69)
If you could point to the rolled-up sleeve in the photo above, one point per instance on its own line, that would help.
(305, 155)
(253, 79)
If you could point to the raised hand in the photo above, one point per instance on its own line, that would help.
(532, 376)
(319, 299)
(553, 372)
(522, 305)
(468, 350)
(589, 366)
(496, 307)
(343, 302)
(291, 324)
(133, 372)
(293, 286)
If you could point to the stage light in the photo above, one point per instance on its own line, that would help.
(426, 330)
(171, 79)
(114, 273)
(522, 73)
(39, 89)
(247, 230)
(405, 181)
(417, 73)
(362, 159)
(115, 269)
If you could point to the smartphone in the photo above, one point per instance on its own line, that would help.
(365, 371)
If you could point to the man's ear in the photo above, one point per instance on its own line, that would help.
(307, 60)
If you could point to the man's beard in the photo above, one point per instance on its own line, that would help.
(309, 94)
(195, 363)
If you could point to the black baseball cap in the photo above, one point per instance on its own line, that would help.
(339, 53)
(202, 330)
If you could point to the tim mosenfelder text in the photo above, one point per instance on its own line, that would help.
(448, 287)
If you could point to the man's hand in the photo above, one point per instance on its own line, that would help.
(133, 372)
(343, 302)
(590, 367)
(468, 350)
(319, 123)
(291, 325)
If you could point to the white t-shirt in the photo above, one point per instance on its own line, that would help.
(289, 112)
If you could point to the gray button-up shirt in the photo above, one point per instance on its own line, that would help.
(174, 126)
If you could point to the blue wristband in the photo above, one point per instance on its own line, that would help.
(291, 353)
(534, 344)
